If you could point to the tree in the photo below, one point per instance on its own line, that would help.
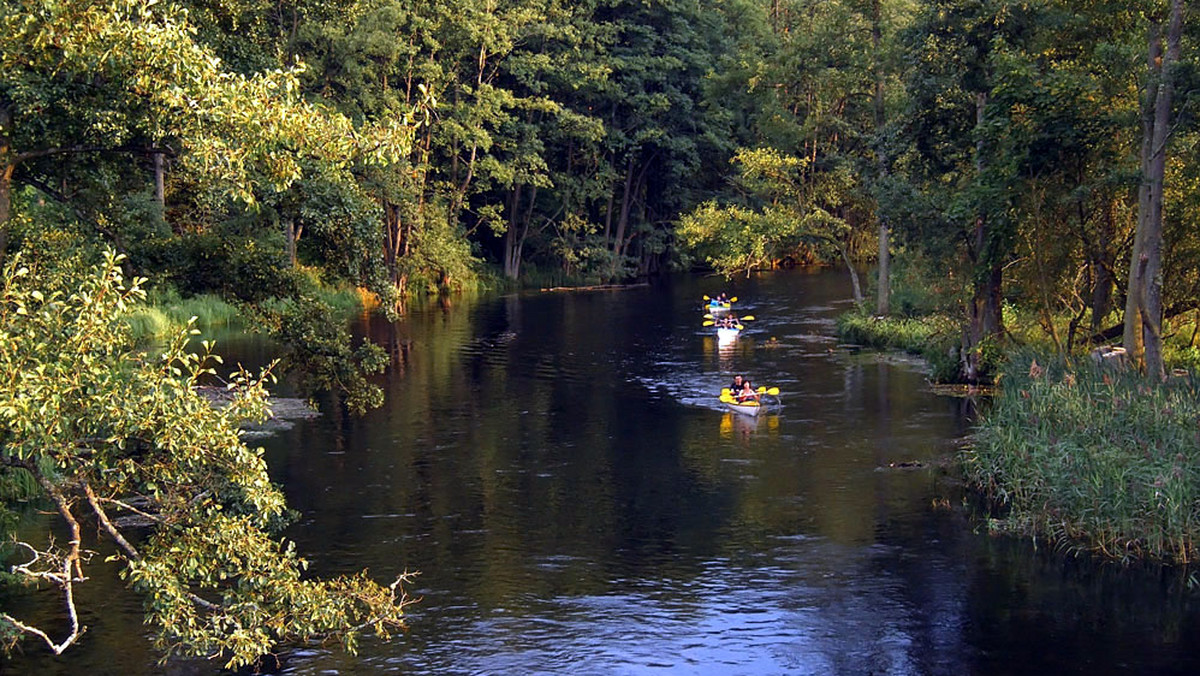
(139, 81)
(783, 211)
(109, 60)
(1144, 305)
(104, 430)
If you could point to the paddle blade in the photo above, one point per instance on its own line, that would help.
(747, 318)
(707, 298)
(709, 317)
(739, 327)
(725, 392)
(707, 323)
(725, 398)
(733, 300)
(773, 391)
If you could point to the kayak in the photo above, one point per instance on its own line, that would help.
(715, 307)
(750, 408)
(724, 333)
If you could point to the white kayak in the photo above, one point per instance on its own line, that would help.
(727, 333)
(750, 408)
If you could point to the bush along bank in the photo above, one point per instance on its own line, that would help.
(1092, 458)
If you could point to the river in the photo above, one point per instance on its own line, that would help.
(557, 467)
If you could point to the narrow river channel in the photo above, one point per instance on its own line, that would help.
(559, 469)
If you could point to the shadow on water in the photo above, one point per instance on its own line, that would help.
(558, 467)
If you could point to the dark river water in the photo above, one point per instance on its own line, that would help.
(558, 468)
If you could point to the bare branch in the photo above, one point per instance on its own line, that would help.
(63, 578)
(57, 648)
(102, 516)
(126, 506)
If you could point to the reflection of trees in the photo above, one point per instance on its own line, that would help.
(517, 459)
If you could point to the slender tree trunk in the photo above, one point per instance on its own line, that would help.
(1152, 243)
(511, 236)
(1101, 266)
(160, 184)
(6, 174)
(623, 218)
(293, 235)
(1132, 336)
(395, 246)
(884, 290)
(854, 283)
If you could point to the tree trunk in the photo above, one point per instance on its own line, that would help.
(1101, 266)
(512, 259)
(618, 240)
(395, 246)
(292, 233)
(160, 184)
(1152, 243)
(1132, 337)
(884, 290)
(854, 283)
(6, 174)
(985, 320)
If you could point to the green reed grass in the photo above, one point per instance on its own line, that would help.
(1092, 458)
(166, 312)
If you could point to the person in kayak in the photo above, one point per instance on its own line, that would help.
(747, 392)
(736, 386)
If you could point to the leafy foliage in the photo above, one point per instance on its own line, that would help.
(104, 430)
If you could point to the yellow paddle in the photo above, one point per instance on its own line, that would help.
(773, 391)
(747, 318)
(708, 323)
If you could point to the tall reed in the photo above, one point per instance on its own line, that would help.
(1092, 457)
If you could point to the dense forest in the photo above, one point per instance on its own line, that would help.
(1023, 153)
(1009, 165)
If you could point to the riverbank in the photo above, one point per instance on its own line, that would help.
(932, 337)
(1085, 456)
(1091, 457)
(167, 313)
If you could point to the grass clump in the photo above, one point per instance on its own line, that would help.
(166, 313)
(1092, 458)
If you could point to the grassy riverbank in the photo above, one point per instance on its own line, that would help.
(166, 312)
(1092, 458)
(936, 338)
